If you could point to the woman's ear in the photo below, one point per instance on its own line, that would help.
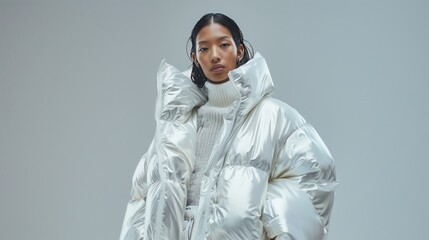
(194, 59)
(240, 52)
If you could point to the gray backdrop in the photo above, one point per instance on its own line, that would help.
(77, 100)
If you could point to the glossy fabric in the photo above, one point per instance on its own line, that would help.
(270, 174)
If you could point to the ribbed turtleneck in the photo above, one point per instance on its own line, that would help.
(221, 95)
(210, 123)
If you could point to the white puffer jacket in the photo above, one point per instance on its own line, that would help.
(270, 174)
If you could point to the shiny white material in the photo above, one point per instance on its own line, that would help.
(270, 175)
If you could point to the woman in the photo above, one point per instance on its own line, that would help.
(228, 161)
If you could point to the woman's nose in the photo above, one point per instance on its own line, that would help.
(215, 55)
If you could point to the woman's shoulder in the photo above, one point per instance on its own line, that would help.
(279, 113)
(271, 104)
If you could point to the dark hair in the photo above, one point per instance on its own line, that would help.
(197, 74)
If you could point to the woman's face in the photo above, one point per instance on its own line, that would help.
(216, 52)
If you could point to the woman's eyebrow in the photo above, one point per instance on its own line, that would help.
(219, 39)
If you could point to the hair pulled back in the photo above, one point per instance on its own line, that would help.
(197, 74)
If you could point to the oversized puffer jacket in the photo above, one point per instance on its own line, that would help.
(270, 174)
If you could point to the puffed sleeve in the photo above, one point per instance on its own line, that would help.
(133, 223)
(301, 189)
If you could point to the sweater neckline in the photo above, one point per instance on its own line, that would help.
(221, 94)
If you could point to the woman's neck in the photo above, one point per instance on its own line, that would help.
(218, 82)
(221, 94)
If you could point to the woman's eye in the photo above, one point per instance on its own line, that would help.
(224, 45)
(203, 49)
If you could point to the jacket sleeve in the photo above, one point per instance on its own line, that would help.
(158, 193)
(301, 190)
(132, 226)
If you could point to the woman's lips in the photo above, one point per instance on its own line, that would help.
(217, 68)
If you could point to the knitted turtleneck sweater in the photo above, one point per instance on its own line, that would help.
(210, 123)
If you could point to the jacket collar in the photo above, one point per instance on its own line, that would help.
(178, 95)
(253, 81)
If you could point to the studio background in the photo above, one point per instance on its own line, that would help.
(78, 89)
